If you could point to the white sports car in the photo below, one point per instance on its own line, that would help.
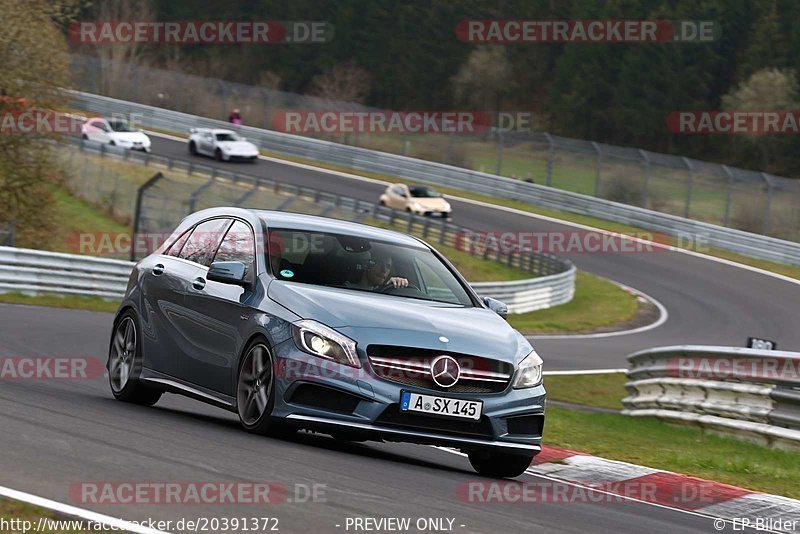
(224, 145)
(115, 132)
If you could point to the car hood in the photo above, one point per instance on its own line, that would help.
(133, 137)
(371, 318)
(438, 203)
(238, 146)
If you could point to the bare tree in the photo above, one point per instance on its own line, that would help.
(483, 79)
(119, 61)
(346, 83)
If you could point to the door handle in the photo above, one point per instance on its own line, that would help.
(199, 283)
(158, 269)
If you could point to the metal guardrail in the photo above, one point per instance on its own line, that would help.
(530, 295)
(36, 271)
(422, 171)
(748, 393)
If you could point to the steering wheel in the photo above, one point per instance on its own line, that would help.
(388, 285)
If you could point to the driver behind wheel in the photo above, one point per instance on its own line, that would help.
(377, 272)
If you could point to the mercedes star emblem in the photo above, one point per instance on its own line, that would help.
(445, 371)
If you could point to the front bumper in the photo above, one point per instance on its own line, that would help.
(240, 156)
(433, 213)
(316, 394)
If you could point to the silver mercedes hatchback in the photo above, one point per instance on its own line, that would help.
(301, 322)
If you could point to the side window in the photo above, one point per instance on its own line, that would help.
(176, 247)
(238, 245)
(202, 244)
(398, 190)
(435, 287)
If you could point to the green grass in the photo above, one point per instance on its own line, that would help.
(74, 216)
(58, 301)
(686, 450)
(597, 303)
(15, 510)
(601, 390)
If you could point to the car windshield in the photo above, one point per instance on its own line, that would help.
(423, 192)
(228, 136)
(118, 125)
(361, 264)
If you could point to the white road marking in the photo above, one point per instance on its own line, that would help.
(663, 315)
(74, 511)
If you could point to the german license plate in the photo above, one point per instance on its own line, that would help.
(430, 404)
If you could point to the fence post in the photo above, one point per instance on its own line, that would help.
(137, 214)
(688, 187)
(598, 164)
(551, 155)
(646, 186)
(499, 167)
(728, 196)
(449, 155)
(768, 209)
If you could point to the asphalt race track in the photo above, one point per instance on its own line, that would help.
(61, 433)
(49, 425)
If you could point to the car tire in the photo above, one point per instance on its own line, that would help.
(85, 137)
(499, 464)
(382, 202)
(256, 381)
(125, 363)
(218, 155)
(112, 143)
(192, 148)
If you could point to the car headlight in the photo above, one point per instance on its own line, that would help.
(446, 206)
(529, 372)
(417, 206)
(319, 340)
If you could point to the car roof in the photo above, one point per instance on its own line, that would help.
(303, 222)
(314, 223)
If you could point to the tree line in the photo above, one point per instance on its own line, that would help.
(405, 54)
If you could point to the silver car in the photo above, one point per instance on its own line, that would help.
(301, 322)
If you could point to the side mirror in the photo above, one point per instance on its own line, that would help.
(227, 272)
(496, 306)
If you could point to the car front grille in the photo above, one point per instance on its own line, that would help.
(411, 367)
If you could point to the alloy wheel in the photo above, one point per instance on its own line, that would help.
(123, 353)
(255, 384)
